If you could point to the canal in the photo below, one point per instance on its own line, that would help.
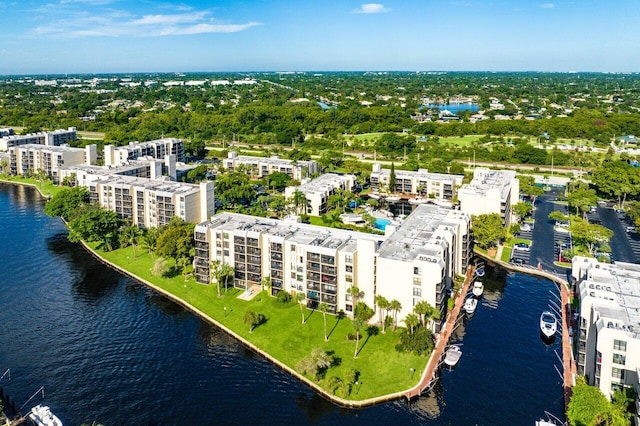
(109, 350)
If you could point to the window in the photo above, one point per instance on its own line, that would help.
(620, 345)
(293, 247)
(348, 278)
(416, 270)
(417, 281)
(348, 268)
(293, 275)
(348, 259)
(417, 291)
(617, 373)
(348, 308)
(619, 359)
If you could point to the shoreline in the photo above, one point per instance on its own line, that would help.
(32, 185)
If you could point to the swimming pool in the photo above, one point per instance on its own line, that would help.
(381, 223)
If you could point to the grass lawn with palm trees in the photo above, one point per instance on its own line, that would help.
(46, 187)
(282, 335)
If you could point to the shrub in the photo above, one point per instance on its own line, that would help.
(283, 297)
(419, 342)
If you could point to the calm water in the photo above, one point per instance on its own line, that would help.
(109, 350)
(454, 108)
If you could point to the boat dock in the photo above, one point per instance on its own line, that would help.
(442, 340)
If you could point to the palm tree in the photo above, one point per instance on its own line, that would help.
(129, 236)
(222, 273)
(355, 294)
(383, 304)
(149, 240)
(395, 307)
(324, 308)
(411, 320)
(299, 200)
(357, 325)
(422, 308)
(299, 297)
(214, 267)
(266, 283)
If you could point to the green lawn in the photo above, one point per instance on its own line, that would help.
(382, 369)
(506, 254)
(47, 188)
(460, 140)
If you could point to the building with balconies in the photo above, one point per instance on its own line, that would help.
(158, 149)
(436, 186)
(323, 263)
(54, 138)
(153, 202)
(318, 191)
(260, 167)
(29, 159)
(609, 321)
(490, 191)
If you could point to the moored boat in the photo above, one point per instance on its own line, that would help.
(478, 289)
(41, 415)
(470, 305)
(452, 355)
(548, 324)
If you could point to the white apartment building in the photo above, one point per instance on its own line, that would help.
(419, 260)
(609, 337)
(260, 167)
(422, 183)
(83, 174)
(158, 149)
(324, 262)
(55, 138)
(153, 202)
(28, 159)
(318, 191)
(490, 191)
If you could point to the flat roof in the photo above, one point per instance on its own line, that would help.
(485, 180)
(268, 160)
(422, 174)
(324, 183)
(54, 148)
(152, 184)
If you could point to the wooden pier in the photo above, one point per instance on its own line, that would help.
(442, 341)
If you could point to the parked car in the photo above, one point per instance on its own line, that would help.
(630, 229)
(521, 246)
(525, 227)
(517, 261)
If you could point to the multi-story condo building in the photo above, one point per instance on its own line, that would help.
(318, 191)
(259, 167)
(422, 183)
(153, 202)
(82, 174)
(490, 191)
(55, 138)
(158, 149)
(422, 256)
(609, 336)
(323, 263)
(28, 159)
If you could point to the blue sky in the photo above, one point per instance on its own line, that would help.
(77, 36)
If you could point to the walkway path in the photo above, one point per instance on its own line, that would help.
(442, 341)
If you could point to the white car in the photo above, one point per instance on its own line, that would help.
(525, 227)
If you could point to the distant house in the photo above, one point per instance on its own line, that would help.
(628, 139)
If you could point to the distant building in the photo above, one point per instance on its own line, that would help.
(54, 138)
(628, 139)
(490, 191)
(422, 183)
(260, 167)
(159, 149)
(6, 132)
(318, 191)
(609, 335)
(28, 159)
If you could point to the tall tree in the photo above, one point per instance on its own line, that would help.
(395, 307)
(357, 326)
(392, 179)
(382, 304)
(355, 294)
(299, 298)
(488, 229)
(411, 320)
(324, 308)
(617, 179)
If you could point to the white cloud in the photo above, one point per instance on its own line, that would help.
(114, 23)
(547, 5)
(371, 8)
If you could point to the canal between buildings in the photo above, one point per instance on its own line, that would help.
(108, 349)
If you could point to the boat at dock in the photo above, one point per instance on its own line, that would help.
(470, 305)
(548, 324)
(41, 415)
(452, 355)
(478, 289)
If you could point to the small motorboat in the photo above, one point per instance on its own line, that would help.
(480, 272)
(478, 289)
(452, 355)
(548, 324)
(41, 415)
(470, 305)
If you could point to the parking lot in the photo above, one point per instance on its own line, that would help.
(625, 246)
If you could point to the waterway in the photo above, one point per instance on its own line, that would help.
(109, 350)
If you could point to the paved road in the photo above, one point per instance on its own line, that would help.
(620, 247)
(542, 236)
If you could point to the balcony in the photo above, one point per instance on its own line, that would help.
(313, 257)
(328, 270)
(253, 250)
(312, 266)
(276, 256)
(276, 265)
(313, 276)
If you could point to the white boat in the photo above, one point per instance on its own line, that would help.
(478, 289)
(470, 305)
(393, 198)
(374, 196)
(452, 355)
(548, 324)
(41, 415)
